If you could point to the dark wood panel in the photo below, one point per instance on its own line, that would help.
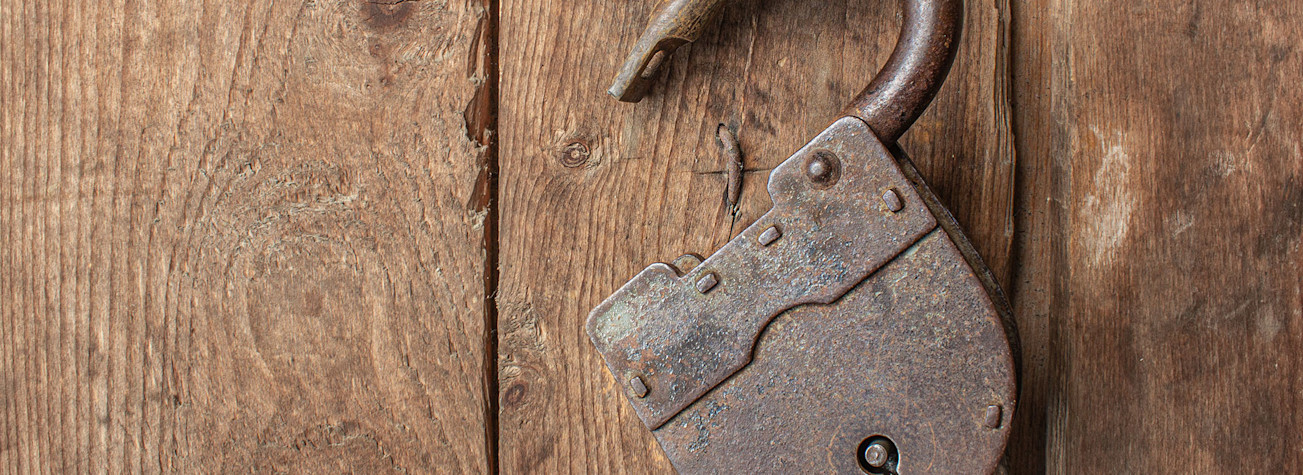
(241, 236)
(1036, 62)
(1163, 211)
(593, 190)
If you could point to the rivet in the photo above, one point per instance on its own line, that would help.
(893, 201)
(823, 168)
(707, 282)
(993, 415)
(770, 235)
(817, 168)
(639, 388)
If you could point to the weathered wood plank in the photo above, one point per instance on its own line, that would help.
(1169, 250)
(252, 236)
(593, 190)
(1036, 61)
(241, 236)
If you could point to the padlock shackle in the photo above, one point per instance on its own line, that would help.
(890, 104)
(914, 73)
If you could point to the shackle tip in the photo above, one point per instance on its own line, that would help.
(641, 68)
(630, 86)
(675, 23)
(890, 104)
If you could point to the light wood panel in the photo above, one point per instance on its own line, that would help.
(242, 236)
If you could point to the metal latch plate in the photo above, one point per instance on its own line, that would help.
(842, 209)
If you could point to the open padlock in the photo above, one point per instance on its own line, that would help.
(852, 328)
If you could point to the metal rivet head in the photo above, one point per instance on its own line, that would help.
(893, 201)
(823, 168)
(876, 454)
(770, 235)
(993, 415)
(707, 282)
(639, 388)
(817, 168)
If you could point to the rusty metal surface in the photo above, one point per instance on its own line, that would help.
(915, 354)
(917, 68)
(844, 328)
(675, 23)
(896, 97)
(732, 152)
(680, 334)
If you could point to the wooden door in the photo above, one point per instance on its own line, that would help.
(363, 236)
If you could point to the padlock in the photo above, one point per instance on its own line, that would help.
(851, 329)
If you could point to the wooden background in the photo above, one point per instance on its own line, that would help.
(349, 235)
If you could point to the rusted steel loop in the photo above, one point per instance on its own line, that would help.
(890, 104)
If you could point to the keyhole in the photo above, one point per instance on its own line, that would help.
(877, 455)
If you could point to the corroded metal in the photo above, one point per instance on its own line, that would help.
(890, 104)
(684, 337)
(732, 152)
(851, 329)
(915, 354)
(676, 22)
(860, 322)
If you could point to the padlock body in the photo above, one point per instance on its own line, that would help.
(871, 318)
(916, 353)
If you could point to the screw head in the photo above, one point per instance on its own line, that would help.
(639, 388)
(876, 454)
(686, 263)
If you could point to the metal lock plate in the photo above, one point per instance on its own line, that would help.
(843, 316)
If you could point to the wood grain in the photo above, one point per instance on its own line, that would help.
(272, 236)
(241, 236)
(1036, 63)
(593, 190)
(1164, 209)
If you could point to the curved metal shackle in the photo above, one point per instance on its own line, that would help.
(890, 104)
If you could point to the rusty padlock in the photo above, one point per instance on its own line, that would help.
(851, 329)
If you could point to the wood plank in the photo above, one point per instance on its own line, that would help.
(242, 236)
(593, 190)
(1036, 62)
(1170, 258)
